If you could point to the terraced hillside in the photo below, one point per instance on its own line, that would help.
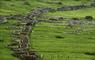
(56, 35)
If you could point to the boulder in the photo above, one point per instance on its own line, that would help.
(3, 19)
(73, 22)
(32, 56)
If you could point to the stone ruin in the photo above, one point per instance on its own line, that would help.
(56, 18)
(37, 13)
(17, 17)
(68, 8)
(22, 46)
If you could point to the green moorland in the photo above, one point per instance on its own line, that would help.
(53, 41)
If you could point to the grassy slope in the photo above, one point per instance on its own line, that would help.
(5, 35)
(74, 13)
(71, 47)
(20, 7)
(13, 7)
(45, 34)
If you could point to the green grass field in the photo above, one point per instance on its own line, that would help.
(5, 39)
(52, 41)
(74, 13)
(71, 46)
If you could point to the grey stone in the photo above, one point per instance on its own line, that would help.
(67, 8)
(3, 19)
(73, 22)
